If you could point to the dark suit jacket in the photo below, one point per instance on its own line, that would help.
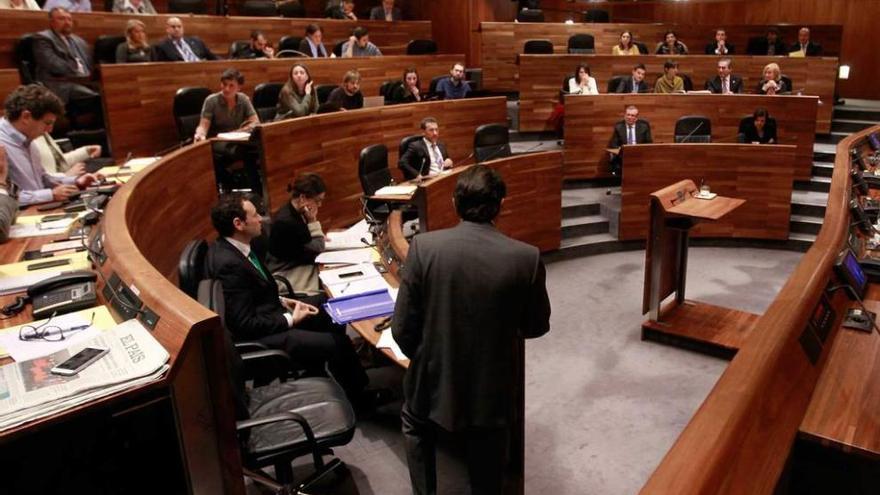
(760, 47)
(469, 294)
(626, 86)
(416, 157)
(378, 14)
(643, 134)
(711, 47)
(252, 306)
(305, 48)
(813, 49)
(55, 61)
(736, 84)
(749, 133)
(167, 52)
(288, 237)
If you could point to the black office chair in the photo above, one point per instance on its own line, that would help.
(693, 129)
(24, 59)
(187, 7)
(432, 88)
(530, 15)
(788, 84)
(401, 149)
(105, 48)
(191, 267)
(581, 43)
(688, 83)
(757, 45)
(538, 47)
(288, 46)
(266, 99)
(597, 15)
(259, 8)
(491, 141)
(188, 109)
(374, 174)
(237, 46)
(282, 421)
(421, 47)
(387, 89)
(337, 48)
(613, 83)
(323, 91)
(291, 9)
(643, 48)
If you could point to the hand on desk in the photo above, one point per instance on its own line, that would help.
(85, 180)
(298, 309)
(63, 191)
(447, 163)
(94, 150)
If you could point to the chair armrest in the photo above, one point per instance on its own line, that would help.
(288, 289)
(64, 144)
(248, 424)
(243, 347)
(263, 366)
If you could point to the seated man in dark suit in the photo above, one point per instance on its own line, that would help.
(771, 44)
(720, 46)
(725, 82)
(179, 48)
(806, 46)
(386, 12)
(636, 83)
(426, 156)
(255, 312)
(630, 130)
(257, 48)
(760, 129)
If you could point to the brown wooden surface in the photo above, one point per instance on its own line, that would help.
(138, 98)
(502, 41)
(707, 209)
(541, 78)
(531, 212)
(330, 144)
(217, 32)
(589, 123)
(704, 324)
(9, 80)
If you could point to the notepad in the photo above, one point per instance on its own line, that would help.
(234, 136)
(403, 190)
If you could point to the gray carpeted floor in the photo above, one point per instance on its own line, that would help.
(602, 407)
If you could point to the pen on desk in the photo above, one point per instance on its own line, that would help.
(346, 286)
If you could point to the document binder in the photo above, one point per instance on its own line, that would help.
(372, 304)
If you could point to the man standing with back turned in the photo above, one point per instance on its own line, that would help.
(467, 297)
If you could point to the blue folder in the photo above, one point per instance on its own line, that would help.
(347, 309)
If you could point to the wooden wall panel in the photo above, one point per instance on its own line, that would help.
(589, 121)
(760, 174)
(9, 80)
(330, 144)
(502, 41)
(138, 98)
(541, 78)
(217, 32)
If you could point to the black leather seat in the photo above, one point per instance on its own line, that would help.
(24, 59)
(387, 89)
(191, 267)
(421, 47)
(491, 141)
(693, 129)
(374, 174)
(596, 15)
(337, 48)
(643, 48)
(288, 47)
(105, 48)
(401, 149)
(614, 82)
(432, 88)
(259, 8)
(188, 109)
(292, 8)
(788, 84)
(530, 15)
(581, 43)
(538, 47)
(688, 83)
(282, 421)
(265, 100)
(236, 46)
(187, 7)
(323, 91)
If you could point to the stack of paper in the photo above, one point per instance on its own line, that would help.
(33, 226)
(347, 257)
(402, 190)
(352, 280)
(355, 237)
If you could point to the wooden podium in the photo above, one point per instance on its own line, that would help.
(716, 330)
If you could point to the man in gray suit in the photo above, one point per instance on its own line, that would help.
(468, 297)
(62, 56)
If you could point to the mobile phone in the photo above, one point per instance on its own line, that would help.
(48, 264)
(50, 206)
(79, 361)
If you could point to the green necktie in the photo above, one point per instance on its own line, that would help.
(256, 262)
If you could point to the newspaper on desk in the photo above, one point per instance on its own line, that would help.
(28, 391)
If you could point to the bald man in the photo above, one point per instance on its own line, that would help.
(179, 48)
(805, 45)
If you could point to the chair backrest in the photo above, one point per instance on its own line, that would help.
(530, 15)
(757, 45)
(596, 15)
(187, 6)
(491, 141)
(432, 88)
(292, 8)
(105, 48)
(581, 43)
(373, 168)
(614, 82)
(191, 267)
(24, 58)
(289, 43)
(387, 89)
(328, 108)
(188, 109)
(421, 47)
(543, 47)
(565, 82)
(237, 46)
(405, 142)
(693, 129)
(337, 48)
(323, 91)
(789, 86)
(265, 99)
(259, 8)
(643, 48)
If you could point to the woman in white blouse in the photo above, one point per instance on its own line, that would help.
(582, 83)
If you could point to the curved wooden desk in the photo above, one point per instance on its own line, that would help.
(541, 78)
(589, 123)
(139, 98)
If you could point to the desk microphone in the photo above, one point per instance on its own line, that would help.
(697, 128)
(421, 169)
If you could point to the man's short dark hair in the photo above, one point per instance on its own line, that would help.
(36, 99)
(761, 112)
(232, 75)
(670, 64)
(255, 34)
(312, 29)
(359, 32)
(427, 120)
(56, 9)
(640, 66)
(223, 214)
(308, 184)
(478, 194)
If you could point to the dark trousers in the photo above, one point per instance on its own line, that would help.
(484, 451)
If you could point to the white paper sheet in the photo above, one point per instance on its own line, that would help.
(22, 350)
(349, 238)
(386, 341)
(404, 190)
(346, 257)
